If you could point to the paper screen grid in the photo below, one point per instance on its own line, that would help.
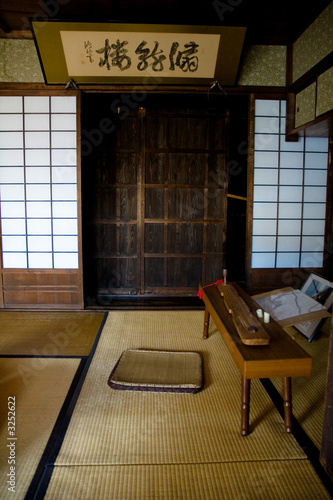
(289, 194)
(38, 182)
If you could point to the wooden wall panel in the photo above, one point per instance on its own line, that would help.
(166, 197)
(46, 289)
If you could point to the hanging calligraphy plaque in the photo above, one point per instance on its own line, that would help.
(135, 53)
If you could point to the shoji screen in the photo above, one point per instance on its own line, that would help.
(289, 194)
(38, 192)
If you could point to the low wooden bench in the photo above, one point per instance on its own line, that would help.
(282, 357)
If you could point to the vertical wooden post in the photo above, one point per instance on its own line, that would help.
(206, 324)
(286, 385)
(326, 452)
(246, 386)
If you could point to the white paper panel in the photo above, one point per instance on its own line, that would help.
(10, 104)
(63, 157)
(63, 140)
(291, 160)
(36, 104)
(65, 226)
(11, 174)
(39, 226)
(11, 157)
(267, 193)
(63, 122)
(293, 193)
(37, 157)
(13, 226)
(312, 243)
(314, 211)
(311, 259)
(264, 227)
(37, 139)
(14, 260)
(289, 227)
(263, 243)
(290, 210)
(313, 227)
(12, 192)
(64, 209)
(36, 192)
(264, 210)
(291, 177)
(266, 159)
(14, 243)
(64, 175)
(40, 260)
(315, 177)
(287, 260)
(9, 140)
(36, 175)
(262, 260)
(64, 192)
(65, 243)
(267, 125)
(39, 209)
(66, 261)
(11, 122)
(63, 104)
(266, 142)
(314, 194)
(265, 176)
(316, 160)
(39, 243)
(12, 209)
(316, 144)
(37, 122)
(265, 107)
(289, 244)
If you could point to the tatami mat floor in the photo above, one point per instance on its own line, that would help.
(94, 444)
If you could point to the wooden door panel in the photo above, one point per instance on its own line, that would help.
(215, 238)
(156, 215)
(154, 203)
(156, 168)
(154, 238)
(216, 204)
(154, 272)
(184, 271)
(188, 132)
(186, 204)
(187, 168)
(185, 238)
(156, 131)
(128, 204)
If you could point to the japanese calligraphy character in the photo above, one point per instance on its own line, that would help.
(157, 64)
(118, 56)
(88, 48)
(185, 59)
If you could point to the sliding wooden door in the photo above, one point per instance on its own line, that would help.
(154, 198)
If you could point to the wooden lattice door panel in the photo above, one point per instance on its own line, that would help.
(155, 204)
(185, 199)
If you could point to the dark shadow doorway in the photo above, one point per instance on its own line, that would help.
(155, 174)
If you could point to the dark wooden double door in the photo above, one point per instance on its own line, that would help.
(154, 197)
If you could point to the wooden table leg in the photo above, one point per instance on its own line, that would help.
(287, 405)
(246, 386)
(206, 324)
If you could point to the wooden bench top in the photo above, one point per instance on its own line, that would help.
(282, 357)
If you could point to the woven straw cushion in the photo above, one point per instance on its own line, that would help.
(161, 371)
